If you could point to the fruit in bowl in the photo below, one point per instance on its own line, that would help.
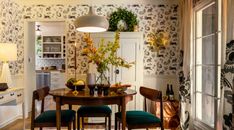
(119, 87)
(73, 84)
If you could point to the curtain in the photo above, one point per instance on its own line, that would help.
(186, 15)
(225, 110)
(186, 33)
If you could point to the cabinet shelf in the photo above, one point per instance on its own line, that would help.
(52, 47)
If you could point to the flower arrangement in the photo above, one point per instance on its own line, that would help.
(104, 55)
(158, 39)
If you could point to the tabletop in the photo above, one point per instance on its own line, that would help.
(65, 92)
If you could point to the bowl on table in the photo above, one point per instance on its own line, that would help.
(119, 87)
(75, 84)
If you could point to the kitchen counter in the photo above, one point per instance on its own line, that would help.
(48, 71)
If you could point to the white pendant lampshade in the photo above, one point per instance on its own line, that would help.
(91, 22)
(8, 52)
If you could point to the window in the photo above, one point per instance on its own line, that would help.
(207, 63)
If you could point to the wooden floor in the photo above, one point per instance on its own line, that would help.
(49, 105)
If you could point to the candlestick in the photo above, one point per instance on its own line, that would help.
(75, 61)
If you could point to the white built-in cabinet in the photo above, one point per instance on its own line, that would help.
(52, 47)
(131, 49)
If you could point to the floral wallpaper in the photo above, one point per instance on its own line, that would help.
(150, 17)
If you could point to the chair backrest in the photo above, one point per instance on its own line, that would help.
(39, 95)
(153, 95)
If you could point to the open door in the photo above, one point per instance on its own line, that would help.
(29, 64)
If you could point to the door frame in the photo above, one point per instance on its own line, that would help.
(29, 89)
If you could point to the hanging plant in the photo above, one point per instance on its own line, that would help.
(122, 20)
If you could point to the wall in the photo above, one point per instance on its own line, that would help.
(159, 68)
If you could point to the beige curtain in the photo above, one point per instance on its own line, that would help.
(186, 33)
(227, 36)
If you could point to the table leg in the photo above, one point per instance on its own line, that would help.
(58, 113)
(123, 112)
(23, 110)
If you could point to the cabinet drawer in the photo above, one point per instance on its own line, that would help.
(7, 97)
(19, 96)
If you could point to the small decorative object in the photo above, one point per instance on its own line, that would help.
(91, 78)
(76, 85)
(122, 25)
(168, 90)
(118, 87)
(158, 40)
(91, 89)
(8, 52)
(171, 94)
(122, 20)
(3, 86)
(104, 56)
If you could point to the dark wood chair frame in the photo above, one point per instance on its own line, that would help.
(82, 116)
(153, 95)
(40, 95)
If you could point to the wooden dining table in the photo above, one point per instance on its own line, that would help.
(66, 96)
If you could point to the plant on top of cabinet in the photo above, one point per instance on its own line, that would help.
(122, 20)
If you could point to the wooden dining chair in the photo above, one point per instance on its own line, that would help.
(94, 111)
(48, 118)
(141, 119)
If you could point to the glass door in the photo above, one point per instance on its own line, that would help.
(207, 64)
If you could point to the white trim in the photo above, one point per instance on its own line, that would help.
(7, 122)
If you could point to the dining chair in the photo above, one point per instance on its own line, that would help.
(136, 119)
(48, 118)
(94, 111)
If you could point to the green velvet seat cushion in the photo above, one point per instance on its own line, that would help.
(94, 109)
(50, 116)
(139, 117)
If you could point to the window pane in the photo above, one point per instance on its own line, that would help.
(208, 20)
(205, 109)
(208, 50)
(205, 79)
(208, 80)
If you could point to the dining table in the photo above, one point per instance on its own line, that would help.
(67, 96)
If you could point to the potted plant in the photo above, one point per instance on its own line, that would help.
(103, 56)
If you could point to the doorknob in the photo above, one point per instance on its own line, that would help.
(117, 71)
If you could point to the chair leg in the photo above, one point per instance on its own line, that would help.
(109, 124)
(82, 122)
(69, 126)
(74, 123)
(78, 122)
(105, 123)
(115, 123)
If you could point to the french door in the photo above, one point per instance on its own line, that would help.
(207, 64)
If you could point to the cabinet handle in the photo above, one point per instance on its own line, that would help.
(117, 71)
(12, 94)
(1, 97)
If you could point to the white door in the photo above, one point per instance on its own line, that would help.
(131, 50)
(29, 64)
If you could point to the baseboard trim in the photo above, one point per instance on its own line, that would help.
(10, 120)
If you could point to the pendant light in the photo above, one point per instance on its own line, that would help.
(91, 22)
